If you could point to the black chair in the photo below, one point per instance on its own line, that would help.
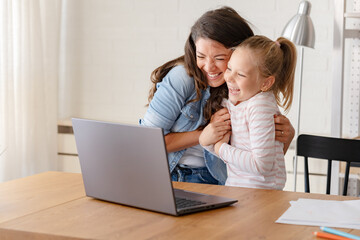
(328, 148)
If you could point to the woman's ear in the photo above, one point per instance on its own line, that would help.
(267, 84)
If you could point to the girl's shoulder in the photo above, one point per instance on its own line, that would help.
(262, 97)
(261, 101)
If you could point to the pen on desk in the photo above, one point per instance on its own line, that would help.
(340, 233)
(330, 236)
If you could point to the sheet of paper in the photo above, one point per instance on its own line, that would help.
(314, 212)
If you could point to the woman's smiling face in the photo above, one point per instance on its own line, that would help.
(212, 59)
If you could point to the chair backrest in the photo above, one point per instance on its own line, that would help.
(328, 148)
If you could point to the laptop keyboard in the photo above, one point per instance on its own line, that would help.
(184, 203)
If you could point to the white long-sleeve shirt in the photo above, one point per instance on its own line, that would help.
(254, 159)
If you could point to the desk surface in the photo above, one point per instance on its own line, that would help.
(31, 194)
(53, 205)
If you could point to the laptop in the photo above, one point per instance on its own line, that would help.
(127, 164)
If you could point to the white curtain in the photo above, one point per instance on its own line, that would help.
(29, 63)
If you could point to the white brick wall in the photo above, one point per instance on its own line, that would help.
(112, 46)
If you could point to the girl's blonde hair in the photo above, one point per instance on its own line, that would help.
(278, 59)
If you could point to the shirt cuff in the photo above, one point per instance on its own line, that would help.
(221, 152)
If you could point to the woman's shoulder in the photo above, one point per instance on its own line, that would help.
(180, 72)
(179, 78)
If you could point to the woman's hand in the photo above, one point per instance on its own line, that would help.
(177, 141)
(284, 131)
(214, 132)
(221, 115)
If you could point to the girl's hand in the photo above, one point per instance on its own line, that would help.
(214, 132)
(284, 131)
(225, 139)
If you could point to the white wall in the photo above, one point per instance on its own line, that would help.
(111, 47)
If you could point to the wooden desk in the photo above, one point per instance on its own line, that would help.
(253, 217)
(35, 193)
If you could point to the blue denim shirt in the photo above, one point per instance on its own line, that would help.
(171, 110)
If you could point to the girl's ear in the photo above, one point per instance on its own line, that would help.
(267, 84)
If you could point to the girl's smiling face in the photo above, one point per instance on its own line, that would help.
(242, 76)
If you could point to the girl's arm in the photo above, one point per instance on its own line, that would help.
(284, 131)
(260, 157)
(225, 139)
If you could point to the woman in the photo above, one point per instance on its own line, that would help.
(188, 91)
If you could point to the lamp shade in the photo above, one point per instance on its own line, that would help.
(300, 29)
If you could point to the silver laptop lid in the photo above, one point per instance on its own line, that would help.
(120, 163)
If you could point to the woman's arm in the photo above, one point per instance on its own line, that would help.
(181, 140)
(284, 131)
(219, 126)
(166, 106)
(213, 133)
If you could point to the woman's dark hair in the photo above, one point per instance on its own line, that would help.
(223, 25)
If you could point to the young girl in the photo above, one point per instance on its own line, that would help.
(260, 72)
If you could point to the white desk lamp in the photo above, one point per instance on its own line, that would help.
(300, 30)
